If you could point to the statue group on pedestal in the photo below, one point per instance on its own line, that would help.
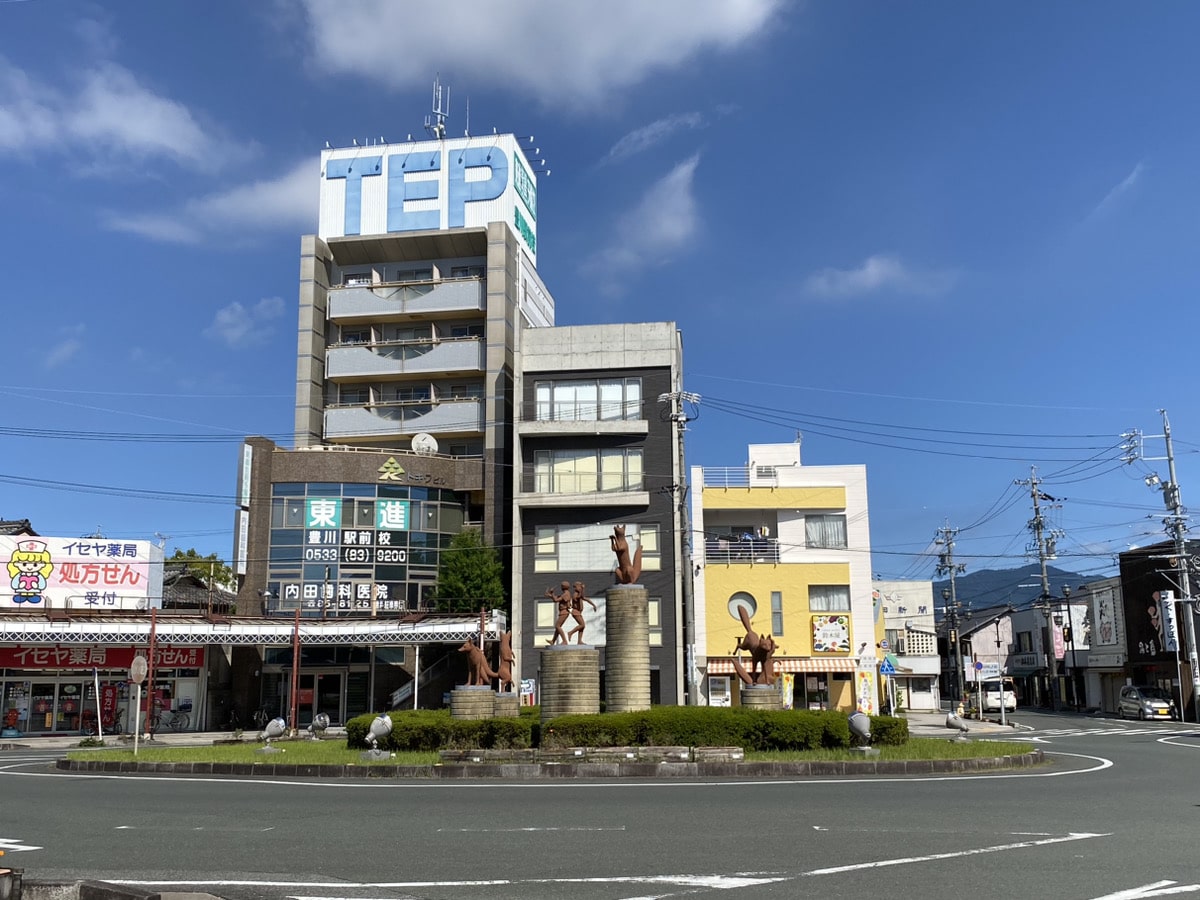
(480, 674)
(570, 603)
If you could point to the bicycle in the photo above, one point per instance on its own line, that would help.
(175, 719)
(114, 723)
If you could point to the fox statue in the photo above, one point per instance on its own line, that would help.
(628, 570)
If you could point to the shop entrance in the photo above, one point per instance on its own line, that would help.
(55, 707)
(320, 691)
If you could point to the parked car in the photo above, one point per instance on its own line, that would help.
(990, 689)
(1144, 702)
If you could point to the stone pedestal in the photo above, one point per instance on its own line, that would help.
(570, 680)
(506, 705)
(472, 702)
(761, 696)
(627, 648)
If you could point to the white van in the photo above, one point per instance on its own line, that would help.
(991, 690)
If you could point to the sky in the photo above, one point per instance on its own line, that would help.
(954, 243)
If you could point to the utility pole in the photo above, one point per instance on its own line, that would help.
(946, 565)
(1044, 545)
(680, 490)
(1176, 524)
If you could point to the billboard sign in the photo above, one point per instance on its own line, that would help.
(80, 573)
(464, 182)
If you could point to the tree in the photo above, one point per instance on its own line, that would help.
(206, 567)
(470, 575)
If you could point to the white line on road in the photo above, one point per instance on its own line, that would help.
(14, 844)
(531, 828)
(905, 860)
(1157, 889)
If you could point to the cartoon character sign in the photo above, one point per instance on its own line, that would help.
(28, 568)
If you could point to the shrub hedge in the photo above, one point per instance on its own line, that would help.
(684, 726)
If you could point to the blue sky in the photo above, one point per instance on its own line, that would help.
(947, 241)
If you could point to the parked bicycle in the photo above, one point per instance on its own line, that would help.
(113, 722)
(175, 719)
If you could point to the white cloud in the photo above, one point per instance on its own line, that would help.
(66, 348)
(881, 272)
(287, 203)
(1127, 184)
(238, 326)
(664, 220)
(107, 118)
(641, 139)
(578, 53)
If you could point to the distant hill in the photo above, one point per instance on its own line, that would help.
(998, 587)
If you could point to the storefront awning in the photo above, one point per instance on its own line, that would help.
(787, 664)
(197, 630)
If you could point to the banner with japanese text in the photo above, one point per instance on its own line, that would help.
(80, 573)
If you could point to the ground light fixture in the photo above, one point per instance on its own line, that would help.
(381, 727)
(276, 728)
(959, 724)
(317, 728)
(860, 733)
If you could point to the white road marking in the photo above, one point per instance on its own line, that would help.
(710, 882)
(531, 828)
(14, 845)
(1157, 889)
(905, 860)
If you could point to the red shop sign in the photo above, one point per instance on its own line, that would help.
(59, 657)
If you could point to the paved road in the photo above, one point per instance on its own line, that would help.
(1114, 816)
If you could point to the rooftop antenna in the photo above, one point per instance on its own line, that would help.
(435, 122)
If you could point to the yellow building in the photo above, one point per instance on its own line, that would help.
(787, 548)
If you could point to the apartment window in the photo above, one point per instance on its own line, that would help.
(401, 333)
(411, 394)
(592, 400)
(586, 548)
(587, 471)
(463, 392)
(425, 274)
(1024, 641)
(466, 272)
(829, 597)
(777, 613)
(355, 394)
(356, 279)
(825, 532)
(356, 335)
(464, 331)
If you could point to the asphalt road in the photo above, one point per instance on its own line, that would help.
(1113, 816)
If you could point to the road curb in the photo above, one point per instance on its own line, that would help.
(555, 771)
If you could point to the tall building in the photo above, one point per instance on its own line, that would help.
(412, 294)
(790, 546)
(597, 447)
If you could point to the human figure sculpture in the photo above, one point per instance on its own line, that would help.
(628, 570)
(479, 673)
(762, 653)
(564, 609)
(507, 658)
(577, 601)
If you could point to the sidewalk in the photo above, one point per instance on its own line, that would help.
(933, 724)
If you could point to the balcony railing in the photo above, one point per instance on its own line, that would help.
(379, 300)
(382, 420)
(753, 550)
(404, 358)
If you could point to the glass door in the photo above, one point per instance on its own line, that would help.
(328, 697)
(41, 706)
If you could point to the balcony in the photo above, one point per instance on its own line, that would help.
(455, 355)
(382, 420)
(537, 419)
(378, 301)
(745, 552)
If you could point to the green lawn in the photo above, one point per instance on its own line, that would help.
(335, 753)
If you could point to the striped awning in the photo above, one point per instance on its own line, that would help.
(718, 666)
